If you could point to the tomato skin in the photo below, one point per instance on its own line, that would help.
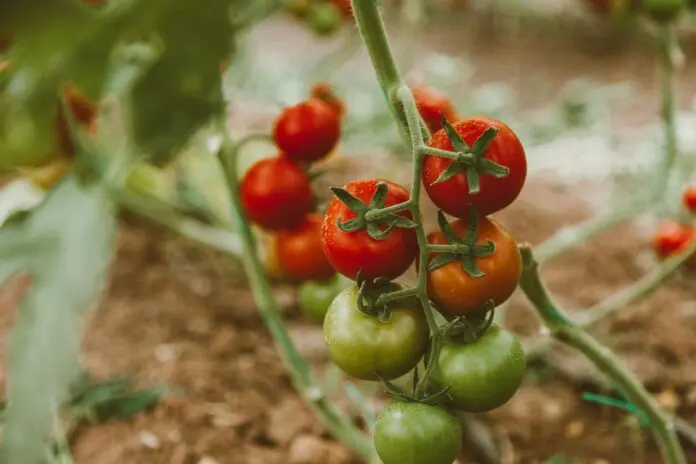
(350, 252)
(276, 193)
(345, 7)
(689, 199)
(361, 345)
(314, 298)
(324, 92)
(416, 433)
(299, 251)
(432, 106)
(671, 238)
(455, 292)
(308, 131)
(452, 196)
(482, 375)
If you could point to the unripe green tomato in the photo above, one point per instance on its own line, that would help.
(324, 18)
(314, 298)
(663, 10)
(415, 433)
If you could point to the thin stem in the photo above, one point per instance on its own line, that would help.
(395, 296)
(380, 213)
(441, 153)
(606, 361)
(300, 371)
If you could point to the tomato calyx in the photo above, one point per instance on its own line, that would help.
(418, 396)
(468, 329)
(374, 217)
(469, 159)
(375, 297)
(463, 249)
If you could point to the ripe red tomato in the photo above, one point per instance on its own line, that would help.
(350, 252)
(671, 238)
(324, 92)
(452, 195)
(307, 132)
(689, 199)
(432, 106)
(300, 254)
(276, 193)
(345, 7)
(456, 292)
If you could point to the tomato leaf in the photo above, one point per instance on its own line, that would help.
(71, 239)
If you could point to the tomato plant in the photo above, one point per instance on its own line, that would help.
(433, 106)
(689, 199)
(308, 131)
(362, 344)
(314, 298)
(359, 250)
(414, 433)
(465, 283)
(482, 375)
(489, 174)
(299, 251)
(276, 193)
(672, 238)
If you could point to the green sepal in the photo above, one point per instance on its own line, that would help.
(442, 259)
(355, 205)
(471, 268)
(458, 143)
(374, 231)
(451, 171)
(352, 225)
(379, 197)
(482, 143)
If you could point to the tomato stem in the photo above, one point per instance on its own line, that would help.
(565, 331)
(376, 214)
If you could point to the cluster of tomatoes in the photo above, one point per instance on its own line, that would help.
(323, 16)
(658, 10)
(674, 237)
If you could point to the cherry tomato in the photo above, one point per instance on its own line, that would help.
(324, 92)
(432, 106)
(482, 375)
(456, 292)
(350, 252)
(276, 193)
(270, 259)
(314, 298)
(345, 7)
(299, 251)
(662, 10)
(362, 345)
(672, 238)
(452, 195)
(689, 199)
(416, 433)
(307, 132)
(324, 18)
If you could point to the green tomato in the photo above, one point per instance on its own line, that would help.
(324, 18)
(361, 345)
(663, 10)
(314, 298)
(415, 433)
(482, 375)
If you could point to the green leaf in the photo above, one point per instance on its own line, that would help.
(71, 235)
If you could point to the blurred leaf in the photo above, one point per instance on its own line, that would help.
(65, 245)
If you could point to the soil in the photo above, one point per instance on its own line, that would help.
(178, 314)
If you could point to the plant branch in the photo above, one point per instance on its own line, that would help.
(565, 331)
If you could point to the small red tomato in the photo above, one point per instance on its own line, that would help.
(671, 238)
(324, 92)
(345, 7)
(307, 132)
(349, 252)
(300, 254)
(452, 195)
(432, 106)
(276, 193)
(690, 199)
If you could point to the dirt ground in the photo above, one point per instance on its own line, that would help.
(177, 314)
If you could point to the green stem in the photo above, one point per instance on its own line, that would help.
(604, 359)
(300, 370)
(668, 44)
(380, 213)
(397, 295)
(441, 153)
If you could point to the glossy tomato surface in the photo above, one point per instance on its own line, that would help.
(361, 345)
(482, 375)
(299, 251)
(315, 297)
(671, 238)
(414, 433)
(432, 106)
(308, 131)
(456, 292)
(452, 195)
(276, 193)
(349, 252)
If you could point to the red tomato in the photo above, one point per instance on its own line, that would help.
(345, 7)
(324, 92)
(432, 106)
(452, 195)
(350, 252)
(276, 193)
(299, 252)
(690, 199)
(671, 238)
(307, 132)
